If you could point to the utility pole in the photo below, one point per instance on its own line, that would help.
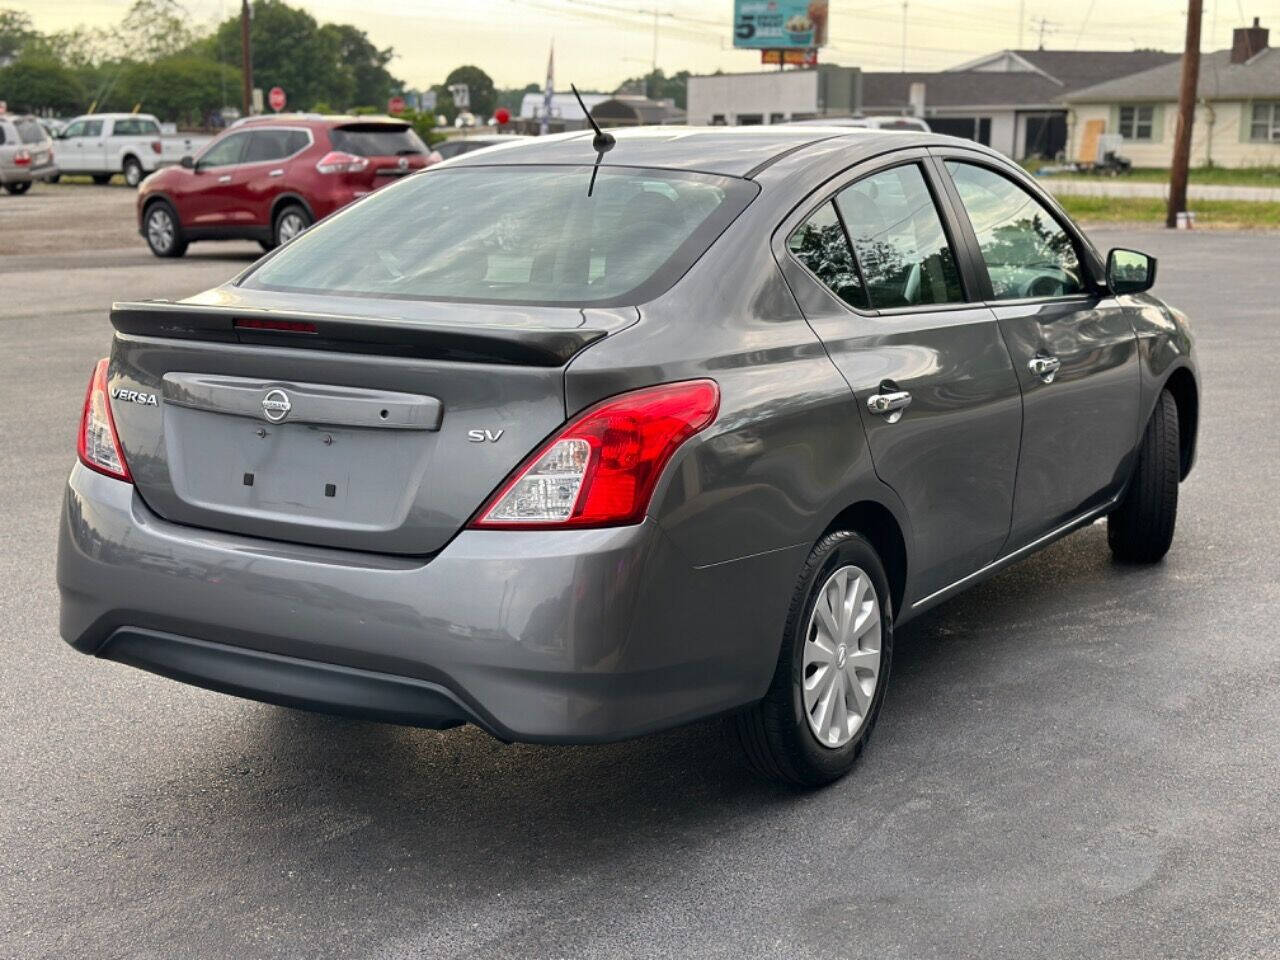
(1043, 25)
(1186, 115)
(246, 61)
(1022, 19)
(904, 36)
(655, 41)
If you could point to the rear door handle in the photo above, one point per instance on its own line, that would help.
(225, 178)
(1044, 367)
(889, 405)
(276, 173)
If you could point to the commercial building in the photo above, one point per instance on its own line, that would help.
(774, 96)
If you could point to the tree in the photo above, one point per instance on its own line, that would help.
(38, 83)
(16, 31)
(184, 89)
(484, 97)
(361, 67)
(656, 85)
(153, 30)
(287, 51)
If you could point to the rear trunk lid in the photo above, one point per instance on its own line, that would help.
(322, 420)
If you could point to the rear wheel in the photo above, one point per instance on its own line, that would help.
(1140, 530)
(266, 245)
(102, 178)
(290, 221)
(132, 171)
(53, 178)
(163, 231)
(832, 670)
(22, 186)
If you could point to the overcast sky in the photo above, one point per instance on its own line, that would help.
(601, 42)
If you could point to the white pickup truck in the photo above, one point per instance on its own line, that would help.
(104, 144)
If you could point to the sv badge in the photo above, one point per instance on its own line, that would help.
(484, 436)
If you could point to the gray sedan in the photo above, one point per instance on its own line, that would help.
(587, 437)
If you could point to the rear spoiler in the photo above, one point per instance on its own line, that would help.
(476, 343)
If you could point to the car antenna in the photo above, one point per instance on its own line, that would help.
(602, 142)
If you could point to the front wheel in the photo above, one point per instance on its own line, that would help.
(101, 179)
(21, 186)
(829, 683)
(1140, 529)
(132, 171)
(163, 231)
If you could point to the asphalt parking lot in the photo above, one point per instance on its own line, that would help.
(1075, 759)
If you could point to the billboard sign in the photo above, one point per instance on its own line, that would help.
(779, 24)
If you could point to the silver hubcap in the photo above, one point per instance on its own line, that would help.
(290, 226)
(160, 230)
(132, 174)
(841, 656)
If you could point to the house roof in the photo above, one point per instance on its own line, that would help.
(959, 88)
(1084, 68)
(1220, 79)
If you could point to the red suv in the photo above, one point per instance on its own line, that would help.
(269, 178)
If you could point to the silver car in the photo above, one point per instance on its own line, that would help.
(586, 438)
(26, 153)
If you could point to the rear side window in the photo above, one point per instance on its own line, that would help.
(373, 140)
(527, 234)
(899, 240)
(267, 145)
(821, 245)
(1026, 251)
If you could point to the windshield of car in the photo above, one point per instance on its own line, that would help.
(527, 234)
(30, 131)
(369, 140)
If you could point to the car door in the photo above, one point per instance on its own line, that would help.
(264, 174)
(877, 275)
(213, 198)
(79, 146)
(1073, 345)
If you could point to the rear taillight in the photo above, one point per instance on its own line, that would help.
(157, 147)
(98, 445)
(22, 158)
(600, 470)
(336, 161)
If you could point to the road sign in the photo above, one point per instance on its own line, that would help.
(461, 94)
(277, 99)
(395, 106)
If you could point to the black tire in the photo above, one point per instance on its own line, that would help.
(163, 243)
(267, 245)
(22, 186)
(132, 171)
(1140, 530)
(53, 178)
(774, 734)
(102, 179)
(286, 218)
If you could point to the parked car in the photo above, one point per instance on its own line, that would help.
(577, 454)
(269, 178)
(53, 126)
(26, 153)
(104, 144)
(869, 123)
(457, 146)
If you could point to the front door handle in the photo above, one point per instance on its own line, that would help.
(276, 173)
(225, 178)
(889, 405)
(1044, 367)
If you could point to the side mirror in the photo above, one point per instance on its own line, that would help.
(1129, 271)
(188, 162)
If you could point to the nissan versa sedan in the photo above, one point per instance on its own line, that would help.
(582, 439)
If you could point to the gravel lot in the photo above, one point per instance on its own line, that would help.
(1075, 759)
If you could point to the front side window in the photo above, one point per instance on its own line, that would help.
(224, 152)
(1027, 252)
(1264, 122)
(92, 128)
(1137, 122)
(515, 234)
(899, 240)
(75, 129)
(821, 245)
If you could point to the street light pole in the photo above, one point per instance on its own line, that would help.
(1186, 116)
(246, 61)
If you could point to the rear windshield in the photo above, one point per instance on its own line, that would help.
(527, 234)
(30, 131)
(368, 140)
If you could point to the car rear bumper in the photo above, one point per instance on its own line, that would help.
(556, 636)
(25, 174)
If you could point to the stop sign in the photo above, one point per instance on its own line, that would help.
(276, 99)
(395, 105)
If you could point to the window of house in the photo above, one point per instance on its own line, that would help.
(1264, 122)
(777, 118)
(750, 119)
(1137, 122)
(717, 120)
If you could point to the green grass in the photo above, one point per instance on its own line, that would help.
(1247, 214)
(1218, 176)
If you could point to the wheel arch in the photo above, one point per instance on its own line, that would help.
(880, 526)
(130, 155)
(280, 202)
(1181, 384)
(152, 200)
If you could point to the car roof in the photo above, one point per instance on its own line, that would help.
(729, 151)
(115, 116)
(327, 121)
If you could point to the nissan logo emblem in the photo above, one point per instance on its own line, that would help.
(276, 405)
